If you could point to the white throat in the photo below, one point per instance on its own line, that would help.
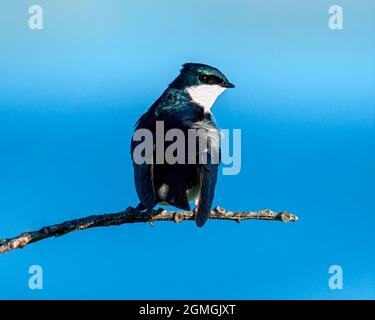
(205, 95)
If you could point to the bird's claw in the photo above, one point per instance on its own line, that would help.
(151, 217)
(152, 213)
(151, 222)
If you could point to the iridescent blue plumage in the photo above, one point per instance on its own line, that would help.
(181, 106)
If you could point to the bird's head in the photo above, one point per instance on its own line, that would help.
(203, 83)
(197, 74)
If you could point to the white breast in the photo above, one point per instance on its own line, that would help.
(205, 95)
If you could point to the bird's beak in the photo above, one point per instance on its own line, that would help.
(229, 85)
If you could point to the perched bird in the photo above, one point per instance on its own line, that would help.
(185, 104)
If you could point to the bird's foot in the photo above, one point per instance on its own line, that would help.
(151, 213)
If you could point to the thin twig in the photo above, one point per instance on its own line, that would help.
(130, 215)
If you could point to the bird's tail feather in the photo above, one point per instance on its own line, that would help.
(201, 217)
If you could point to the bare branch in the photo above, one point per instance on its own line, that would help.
(130, 215)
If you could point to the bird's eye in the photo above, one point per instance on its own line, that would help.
(210, 79)
(203, 78)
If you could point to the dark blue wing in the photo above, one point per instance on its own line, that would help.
(208, 178)
(143, 172)
(143, 185)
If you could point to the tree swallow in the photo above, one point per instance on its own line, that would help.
(184, 105)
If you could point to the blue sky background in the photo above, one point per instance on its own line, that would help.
(305, 101)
